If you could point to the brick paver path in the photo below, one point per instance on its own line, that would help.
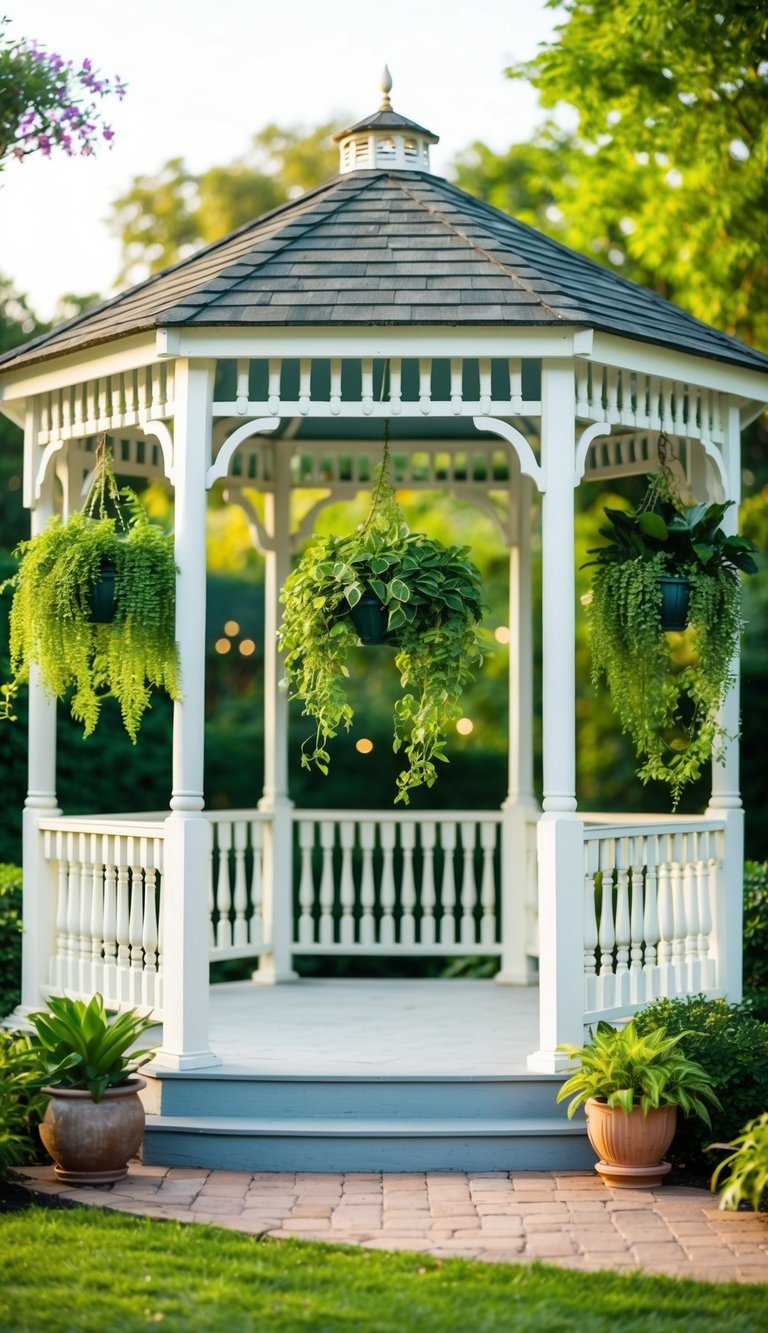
(565, 1218)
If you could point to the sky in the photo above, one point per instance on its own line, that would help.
(202, 78)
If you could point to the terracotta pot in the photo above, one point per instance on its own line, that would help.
(630, 1145)
(91, 1142)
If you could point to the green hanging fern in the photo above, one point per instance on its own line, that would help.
(50, 623)
(434, 598)
(668, 692)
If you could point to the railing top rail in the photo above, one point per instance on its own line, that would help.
(402, 816)
(104, 825)
(230, 816)
(647, 828)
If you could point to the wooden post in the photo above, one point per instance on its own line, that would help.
(560, 834)
(276, 965)
(520, 807)
(187, 832)
(725, 801)
(39, 880)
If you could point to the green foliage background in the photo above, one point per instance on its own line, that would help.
(661, 174)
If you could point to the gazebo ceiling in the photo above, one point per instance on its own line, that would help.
(397, 247)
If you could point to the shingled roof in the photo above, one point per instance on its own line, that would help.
(385, 247)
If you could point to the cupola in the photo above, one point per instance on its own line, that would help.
(385, 139)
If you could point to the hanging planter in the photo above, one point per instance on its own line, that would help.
(370, 617)
(94, 607)
(675, 600)
(384, 584)
(101, 598)
(668, 567)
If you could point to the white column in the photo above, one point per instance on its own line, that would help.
(725, 801)
(187, 832)
(278, 847)
(558, 445)
(520, 808)
(726, 794)
(560, 834)
(561, 962)
(39, 893)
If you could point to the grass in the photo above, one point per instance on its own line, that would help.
(82, 1269)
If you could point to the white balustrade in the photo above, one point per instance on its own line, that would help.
(109, 871)
(405, 883)
(236, 883)
(649, 890)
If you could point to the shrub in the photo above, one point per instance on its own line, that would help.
(746, 1169)
(732, 1046)
(10, 938)
(22, 1104)
(756, 929)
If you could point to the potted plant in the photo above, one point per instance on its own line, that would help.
(668, 566)
(631, 1086)
(65, 620)
(94, 1121)
(424, 599)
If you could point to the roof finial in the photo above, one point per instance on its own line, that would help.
(386, 89)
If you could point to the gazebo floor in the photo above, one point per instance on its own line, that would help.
(374, 1027)
(365, 1076)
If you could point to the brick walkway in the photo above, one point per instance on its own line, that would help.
(565, 1218)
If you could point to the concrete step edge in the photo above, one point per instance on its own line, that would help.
(335, 1127)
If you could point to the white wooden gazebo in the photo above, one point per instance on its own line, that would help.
(509, 369)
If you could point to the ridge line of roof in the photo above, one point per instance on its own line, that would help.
(491, 259)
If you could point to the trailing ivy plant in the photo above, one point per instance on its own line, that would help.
(433, 595)
(668, 691)
(50, 618)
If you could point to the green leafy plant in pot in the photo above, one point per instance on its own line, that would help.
(665, 556)
(425, 599)
(94, 1121)
(61, 619)
(631, 1086)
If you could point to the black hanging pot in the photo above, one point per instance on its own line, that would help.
(675, 598)
(369, 617)
(101, 598)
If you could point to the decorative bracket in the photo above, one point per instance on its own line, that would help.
(586, 439)
(220, 468)
(162, 434)
(42, 468)
(526, 457)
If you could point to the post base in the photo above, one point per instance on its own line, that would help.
(189, 1060)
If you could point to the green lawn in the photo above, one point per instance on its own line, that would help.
(67, 1271)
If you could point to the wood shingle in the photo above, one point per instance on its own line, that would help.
(389, 247)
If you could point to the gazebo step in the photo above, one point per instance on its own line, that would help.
(226, 1092)
(343, 1143)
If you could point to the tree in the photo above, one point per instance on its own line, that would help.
(48, 103)
(666, 177)
(165, 217)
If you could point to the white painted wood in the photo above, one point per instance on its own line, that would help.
(670, 935)
(561, 915)
(39, 878)
(726, 793)
(727, 942)
(187, 832)
(275, 966)
(558, 595)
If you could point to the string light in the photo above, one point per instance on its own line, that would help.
(364, 746)
(222, 645)
(502, 634)
(231, 628)
(465, 726)
(247, 647)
